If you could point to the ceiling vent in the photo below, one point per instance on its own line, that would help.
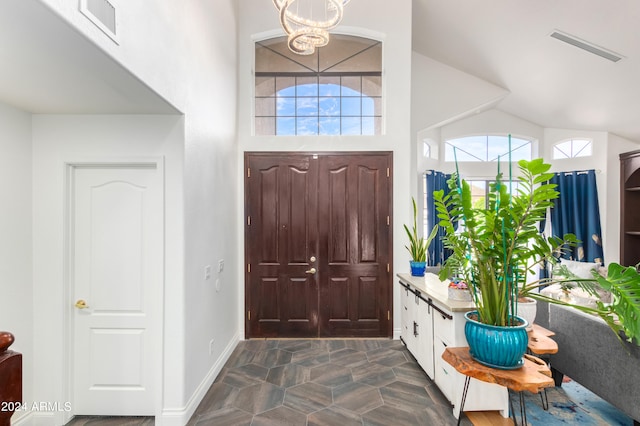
(102, 13)
(574, 41)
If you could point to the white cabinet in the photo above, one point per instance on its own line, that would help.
(417, 328)
(406, 316)
(430, 323)
(424, 335)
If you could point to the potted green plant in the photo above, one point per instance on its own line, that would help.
(495, 251)
(418, 246)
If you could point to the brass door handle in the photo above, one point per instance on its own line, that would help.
(311, 271)
(81, 304)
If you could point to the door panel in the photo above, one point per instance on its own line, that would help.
(338, 216)
(116, 268)
(281, 237)
(330, 212)
(355, 245)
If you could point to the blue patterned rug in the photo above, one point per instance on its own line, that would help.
(571, 404)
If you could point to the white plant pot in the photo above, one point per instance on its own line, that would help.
(527, 310)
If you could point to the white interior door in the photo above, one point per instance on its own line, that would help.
(116, 275)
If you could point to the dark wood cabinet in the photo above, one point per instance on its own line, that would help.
(630, 208)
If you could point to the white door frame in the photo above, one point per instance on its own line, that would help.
(156, 163)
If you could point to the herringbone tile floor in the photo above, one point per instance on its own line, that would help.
(323, 382)
(348, 382)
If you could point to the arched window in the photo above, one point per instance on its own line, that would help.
(335, 91)
(487, 148)
(572, 148)
(426, 148)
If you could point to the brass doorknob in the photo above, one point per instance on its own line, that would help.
(311, 271)
(81, 304)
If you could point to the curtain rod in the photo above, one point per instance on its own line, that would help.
(580, 172)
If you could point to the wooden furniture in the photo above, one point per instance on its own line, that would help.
(533, 376)
(10, 378)
(540, 341)
(430, 323)
(629, 207)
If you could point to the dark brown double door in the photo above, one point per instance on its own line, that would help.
(318, 245)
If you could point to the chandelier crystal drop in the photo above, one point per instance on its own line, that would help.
(304, 32)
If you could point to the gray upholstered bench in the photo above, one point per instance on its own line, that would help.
(590, 354)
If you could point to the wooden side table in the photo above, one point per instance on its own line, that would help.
(541, 343)
(533, 376)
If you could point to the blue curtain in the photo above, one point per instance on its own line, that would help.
(435, 181)
(576, 211)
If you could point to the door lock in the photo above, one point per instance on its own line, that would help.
(312, 259)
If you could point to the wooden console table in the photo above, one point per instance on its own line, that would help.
(533, 376)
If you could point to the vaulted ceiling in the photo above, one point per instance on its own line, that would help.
(49, 67)
(551, 83)
(504, 42)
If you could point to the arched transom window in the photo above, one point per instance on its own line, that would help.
(335, 91)
(572, 148)
(487, 148)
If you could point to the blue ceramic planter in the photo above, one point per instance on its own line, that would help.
(417, 268)
(495, 346)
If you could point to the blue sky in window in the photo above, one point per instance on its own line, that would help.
(368, 126)
(312, 109)
(368, 106)
(286, 107)
(307, 125)
(351, 125)
(329, 125)
(330, 107)
(351, 107)
(329, 90)
(287, 91)
(285, 126)
(307, 107)
(308, 89)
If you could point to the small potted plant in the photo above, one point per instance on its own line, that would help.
(418, 246)
(458, 290)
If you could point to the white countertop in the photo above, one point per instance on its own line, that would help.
(437, 290)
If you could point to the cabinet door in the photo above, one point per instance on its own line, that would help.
(424, 337)
(445, 374)
(413, 303)
(406, 315)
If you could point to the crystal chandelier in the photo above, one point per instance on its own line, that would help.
(305, 32)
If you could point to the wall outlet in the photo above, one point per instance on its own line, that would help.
(211, 346)
(220, 265)
(207, 272)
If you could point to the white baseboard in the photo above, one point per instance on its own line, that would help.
(396, 333)
(181, 416)
(22, 419)
(33, 418)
